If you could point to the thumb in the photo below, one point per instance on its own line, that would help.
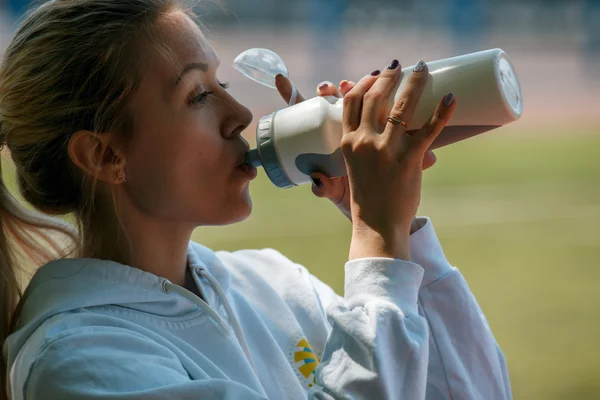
(318, 187)
(429, 159)
(329, 188)
(284, 87)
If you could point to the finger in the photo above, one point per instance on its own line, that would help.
(346, 86)
(317, 184)
(377, 97)
(425, 136)
(353, 101)
(429, 159)
(404, 107)
(329, 188)
(285, 88)
(327, 88)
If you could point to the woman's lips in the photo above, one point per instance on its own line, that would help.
(248, 170)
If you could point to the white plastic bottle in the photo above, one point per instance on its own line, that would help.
(298, 140)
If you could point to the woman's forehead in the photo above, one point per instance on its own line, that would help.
(180, 43)
(186, 42)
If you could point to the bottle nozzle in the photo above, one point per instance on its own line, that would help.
(252, 158)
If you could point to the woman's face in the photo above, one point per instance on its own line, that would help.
(182, 164)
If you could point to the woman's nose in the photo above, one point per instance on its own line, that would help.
(245, 115)
(239, 119)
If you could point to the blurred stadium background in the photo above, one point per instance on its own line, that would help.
(516, 209)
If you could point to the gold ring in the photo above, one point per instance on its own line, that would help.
(396, 121)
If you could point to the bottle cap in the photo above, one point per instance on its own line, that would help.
(262, 66)
(265, 153)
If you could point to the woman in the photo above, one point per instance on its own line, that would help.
(112, 111)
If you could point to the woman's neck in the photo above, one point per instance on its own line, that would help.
(141, 241)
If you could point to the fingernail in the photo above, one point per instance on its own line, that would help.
(448, 99)
(316, 182)
(393, 64)
(343, 83)
(419, 67)
(375, 73)
(278, 76)
(323, 85)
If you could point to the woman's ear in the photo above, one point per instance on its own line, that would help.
(96, 156)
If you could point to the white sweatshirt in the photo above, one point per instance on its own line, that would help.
(93, 329)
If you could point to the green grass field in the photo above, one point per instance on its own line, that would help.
(519, 215)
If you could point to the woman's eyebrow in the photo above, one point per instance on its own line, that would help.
(201, 66)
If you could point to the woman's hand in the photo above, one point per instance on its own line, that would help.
(336, 189)
(384, 162)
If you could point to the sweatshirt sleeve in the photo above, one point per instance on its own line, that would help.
(378, 345)
(465, 361)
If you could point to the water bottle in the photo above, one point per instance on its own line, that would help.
(304, 138)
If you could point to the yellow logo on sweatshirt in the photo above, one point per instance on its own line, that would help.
(306, 361)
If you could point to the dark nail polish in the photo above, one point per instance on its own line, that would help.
(323, 85)
(316, 182)
(393, 64)
(419, 67)
(375, 73)
(448, 99)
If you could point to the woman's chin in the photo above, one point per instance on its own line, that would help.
(242, 210)
(234, 208)
(246, 211)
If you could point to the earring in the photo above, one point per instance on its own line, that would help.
(121, 177)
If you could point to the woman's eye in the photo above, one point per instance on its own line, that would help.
(201, 98)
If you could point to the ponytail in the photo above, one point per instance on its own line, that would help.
(27, 239)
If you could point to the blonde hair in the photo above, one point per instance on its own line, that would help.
(72, 65)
